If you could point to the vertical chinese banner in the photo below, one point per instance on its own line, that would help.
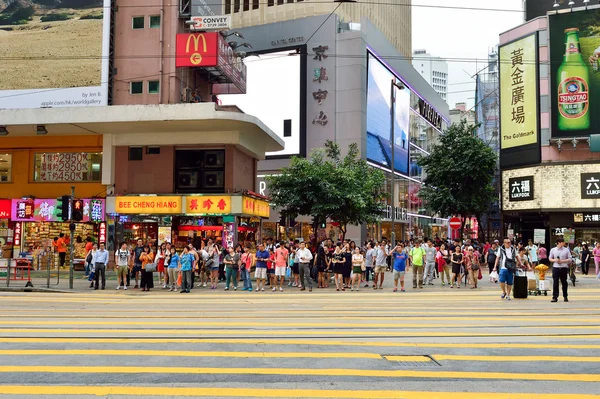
(228, 234)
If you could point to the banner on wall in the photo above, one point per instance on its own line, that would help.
(45, 210)
(518, 93)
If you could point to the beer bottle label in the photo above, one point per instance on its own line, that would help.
(573, 99)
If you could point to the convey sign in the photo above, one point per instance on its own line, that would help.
(211, 22)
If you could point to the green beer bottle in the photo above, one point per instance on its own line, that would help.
(573, 86)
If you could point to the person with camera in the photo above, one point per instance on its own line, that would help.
(508, 259)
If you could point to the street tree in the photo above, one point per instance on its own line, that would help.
(458, 174)
(328, 186)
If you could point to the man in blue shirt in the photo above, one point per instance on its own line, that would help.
(399, 257)
(262, 256)
(187, 261)
(101, 262)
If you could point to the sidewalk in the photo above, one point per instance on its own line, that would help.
(60, 282)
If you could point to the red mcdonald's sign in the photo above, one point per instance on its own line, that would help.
(196, 49)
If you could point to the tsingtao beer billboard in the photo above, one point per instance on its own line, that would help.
(518, 97)
(575, 72)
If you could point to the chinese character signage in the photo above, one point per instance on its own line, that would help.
(45, 210)
(208, 204)
(586, 217)
(5, 209)
(518, 93)
(255, 207)
(590, 185)
(520, 188)
(17, 235)
(148, 205)
(102, 233)
(67, 166)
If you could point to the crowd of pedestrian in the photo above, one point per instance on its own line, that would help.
(344, 265)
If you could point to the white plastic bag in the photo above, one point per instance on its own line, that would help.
(530, 276)
(494, 277)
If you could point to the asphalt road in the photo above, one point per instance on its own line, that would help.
(436, 343)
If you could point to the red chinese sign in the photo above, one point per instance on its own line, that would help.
(5, 209)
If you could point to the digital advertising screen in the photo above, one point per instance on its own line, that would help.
(379, 102)
(575, 72)
(54, 53)
(274, 91)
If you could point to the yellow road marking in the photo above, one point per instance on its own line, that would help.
(579, 359)
(338, 372)
(293, 355)
(268, 393)
(368, 333)
(268, 341)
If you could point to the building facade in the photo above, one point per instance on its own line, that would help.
(460, 113)
(346, 100)
(433, 69)
(550, 170)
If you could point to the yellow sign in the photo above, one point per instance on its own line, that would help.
(518, 93)
(148, 205)
(196, 57)
(208, 204)
(255, 207)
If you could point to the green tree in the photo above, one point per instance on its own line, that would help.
(459, 173)
(325, 185)
(23, 14)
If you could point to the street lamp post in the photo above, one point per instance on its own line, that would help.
(394, 85)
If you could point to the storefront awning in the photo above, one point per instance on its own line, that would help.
(182, 124)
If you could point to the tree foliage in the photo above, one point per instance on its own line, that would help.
(328, 186)
(459, 173)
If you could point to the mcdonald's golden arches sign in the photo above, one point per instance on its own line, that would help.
(196, 49)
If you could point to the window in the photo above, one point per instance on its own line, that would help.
(136, 87)
(246, 5)
(137, 23)
(255, 4)
(5, 168)
(155, 21)
(236, 5)
(67, 166)
(279, 2)
(153, 150)
(136, 153)
(270, 3)
(153, 87)
(199, 171)
(227, 7)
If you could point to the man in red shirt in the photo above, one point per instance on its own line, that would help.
(281, 260)
(61, 246)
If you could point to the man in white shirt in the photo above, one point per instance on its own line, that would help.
(507, 255)
(304, 256)
(560, 256)
(380, 265)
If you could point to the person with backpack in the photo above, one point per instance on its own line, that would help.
(122, 258)
(507, 258)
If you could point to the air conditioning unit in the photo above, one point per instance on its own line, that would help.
(214, 179)
(187, 179)
(213, 159)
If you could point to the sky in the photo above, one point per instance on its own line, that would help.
(464, 34)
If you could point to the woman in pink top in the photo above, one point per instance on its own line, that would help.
(596, 254)
(543, 256)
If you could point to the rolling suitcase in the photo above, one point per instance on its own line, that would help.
(520, 287)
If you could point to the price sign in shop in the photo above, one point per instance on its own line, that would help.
(65, 166)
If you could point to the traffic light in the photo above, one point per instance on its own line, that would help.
(62, 204)
(77, 210)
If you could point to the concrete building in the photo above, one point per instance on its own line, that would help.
(433, 69)
(392, 17)
(346, 100)
(460, 112)
(550, 178)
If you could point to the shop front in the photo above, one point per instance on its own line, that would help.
(228, 219)
(6, 230)
(37, 223)
(552, 201)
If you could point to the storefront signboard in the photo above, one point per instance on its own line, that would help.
(45, 210)
(208, 204)
(521, 188)
(539, 236)
(167, 205)
(17, 234)
(586, 217)
(5, 209)
(255, 207)
(102, 233)
(590, 185)
(164, 234)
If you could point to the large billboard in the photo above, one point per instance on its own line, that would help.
(274, 94)
(538, 8)
(574, 72)
(518, 93)
(54, 53)
(379, 134)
